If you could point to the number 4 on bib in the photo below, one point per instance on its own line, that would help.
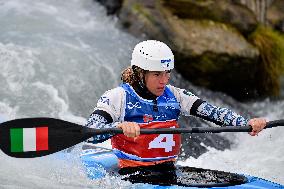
(165, 141)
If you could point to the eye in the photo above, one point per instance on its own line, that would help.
(156, 74)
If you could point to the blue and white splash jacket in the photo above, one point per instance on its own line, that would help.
(123, 104)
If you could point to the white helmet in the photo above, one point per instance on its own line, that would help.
(152, 55)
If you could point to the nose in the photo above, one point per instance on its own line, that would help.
(164, 79)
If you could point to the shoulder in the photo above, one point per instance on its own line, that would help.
(173, 89)
(116, 90)
(180, 92)
(112, 102)
(183, 96)
(112, 94)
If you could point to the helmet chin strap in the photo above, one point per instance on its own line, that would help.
(143, 91)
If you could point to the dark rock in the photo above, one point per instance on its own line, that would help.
(112, 6)
(280, 26)
(223, 11)
(275, 15)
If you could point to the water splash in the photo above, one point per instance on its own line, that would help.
(58, 57)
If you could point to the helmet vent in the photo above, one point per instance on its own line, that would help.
(144, 52)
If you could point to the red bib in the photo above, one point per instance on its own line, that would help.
(151, 145)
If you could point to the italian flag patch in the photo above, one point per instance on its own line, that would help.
(29, 139)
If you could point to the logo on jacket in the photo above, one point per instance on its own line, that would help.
(130, 105)
(147, 118)
(188, 93)
(171, 106)
(104, 100)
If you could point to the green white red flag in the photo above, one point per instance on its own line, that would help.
(29, 139)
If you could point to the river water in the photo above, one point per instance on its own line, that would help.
(58, 57)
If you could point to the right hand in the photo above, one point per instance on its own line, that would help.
(130, 129)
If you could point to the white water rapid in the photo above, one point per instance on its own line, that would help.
(58, 57)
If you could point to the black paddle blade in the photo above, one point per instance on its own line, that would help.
(35, 137)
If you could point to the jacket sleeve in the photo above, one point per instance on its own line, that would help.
(107, 113)
(192, 105)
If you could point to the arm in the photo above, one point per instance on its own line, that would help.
(107, 113)
(193, 105)
(217, 115)
(100, 119)
(226, 117)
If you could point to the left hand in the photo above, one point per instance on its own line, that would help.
(257, 125)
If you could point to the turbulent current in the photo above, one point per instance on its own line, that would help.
(58, 57)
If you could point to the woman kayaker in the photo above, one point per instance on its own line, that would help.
(145, 100)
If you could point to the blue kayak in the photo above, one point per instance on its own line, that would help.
(100, 161)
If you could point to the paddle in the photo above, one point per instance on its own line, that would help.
(35, 137)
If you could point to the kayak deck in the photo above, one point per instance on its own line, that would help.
(100, 161)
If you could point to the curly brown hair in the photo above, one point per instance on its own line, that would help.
(133, 75)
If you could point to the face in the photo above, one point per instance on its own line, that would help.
(157, 81)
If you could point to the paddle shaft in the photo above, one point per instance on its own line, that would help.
(187, 130)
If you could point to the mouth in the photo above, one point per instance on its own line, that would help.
(161, 88)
